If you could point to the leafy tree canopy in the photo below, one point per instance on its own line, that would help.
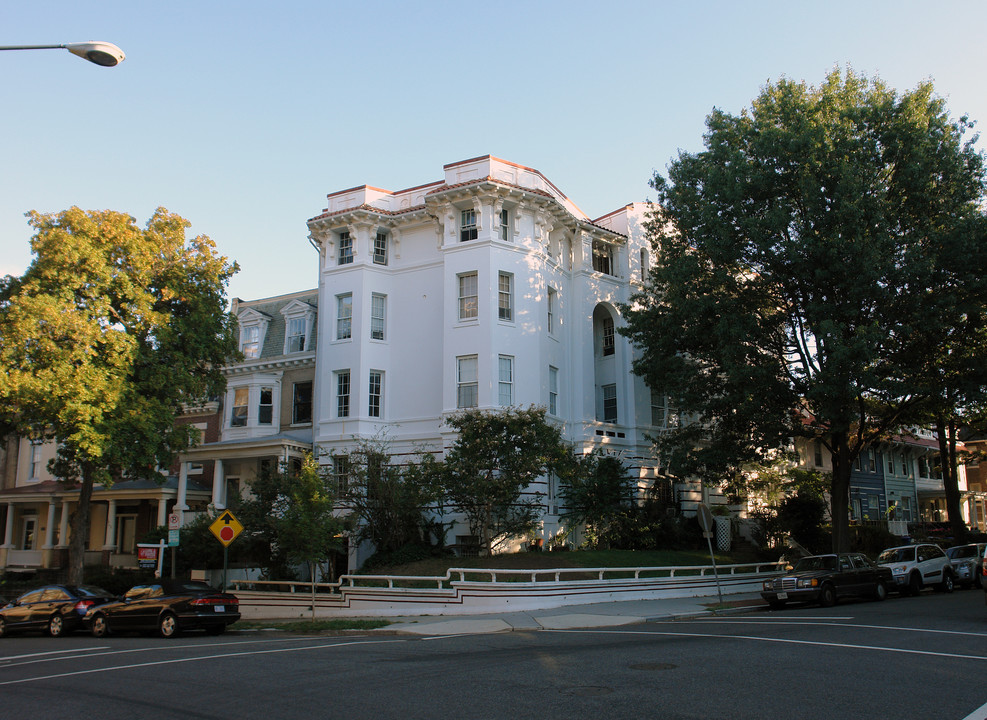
(108, 332)
(804, 259)
(496, 456)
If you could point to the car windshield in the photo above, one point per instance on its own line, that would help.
(905, 554)
(823, 562)
(963, 551)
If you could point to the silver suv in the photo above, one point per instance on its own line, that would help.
(966, 561)
(917, 566)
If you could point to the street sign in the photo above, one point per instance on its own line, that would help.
(173, 538)
(226, 528)
(174, 521)
(705, 518)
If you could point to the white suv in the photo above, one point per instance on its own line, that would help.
(917, 566)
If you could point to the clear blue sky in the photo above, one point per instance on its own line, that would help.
(242, 116)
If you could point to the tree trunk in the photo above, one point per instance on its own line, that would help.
(840, 493)
(80, 529)
(950, 478)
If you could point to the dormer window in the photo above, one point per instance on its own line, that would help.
(250, 342)
(298, 320)
(296, 335)
(253, 329)
(468, 229)
(345, 248)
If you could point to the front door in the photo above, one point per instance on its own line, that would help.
(29, 533)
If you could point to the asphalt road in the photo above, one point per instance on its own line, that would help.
(921, 657)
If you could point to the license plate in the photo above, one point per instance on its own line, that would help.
(783, 596)
(219, 608)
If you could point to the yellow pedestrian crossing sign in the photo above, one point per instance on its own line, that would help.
(226, 527)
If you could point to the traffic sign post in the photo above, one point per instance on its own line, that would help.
(705, 518)
(226, 528)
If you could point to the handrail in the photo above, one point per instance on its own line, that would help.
(672, 571)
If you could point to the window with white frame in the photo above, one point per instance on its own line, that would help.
(659, 409)
(250, 341)
(466, 382)
(608, 336)
(553, 300)
(345, 248)
(610, 403)
(376, 384)
(301, 403)
(344, 316)
(296, 330)
(241, 400)
(468, 229)
(505, 225)
(341, 472)
(35, 459)
(603, 257)
(505, 385)
(342, 393)
(378, 315)
(265, 407)
(505, 296)
(467, 296)
(553, 390)
(645, 264)
(380, 249)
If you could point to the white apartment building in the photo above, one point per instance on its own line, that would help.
(487, 288)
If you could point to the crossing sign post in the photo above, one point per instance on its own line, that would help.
(226, 528)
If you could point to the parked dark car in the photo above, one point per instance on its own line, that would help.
(826, 578)
(168, 607)
(966, 563)
(53, 609)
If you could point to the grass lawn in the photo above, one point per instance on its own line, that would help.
(573, 559)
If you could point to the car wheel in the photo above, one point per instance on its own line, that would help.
(216, 629)
(880, 592)
(56, 626)
(827, 596)
(3, 627)
(914, 584)
(168, 626)
(947, 583)
(99, 627)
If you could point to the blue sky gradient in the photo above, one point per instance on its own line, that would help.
(242, 116)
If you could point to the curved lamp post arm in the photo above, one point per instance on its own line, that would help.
(100, 53)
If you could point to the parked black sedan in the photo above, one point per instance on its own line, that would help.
(168, 607)
(826, 578)
(53, 609)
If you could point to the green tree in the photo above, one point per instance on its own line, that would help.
(108, 332)
(307, 526)
(596, 493)
(798, 258)
(390, 504)
(496, 456)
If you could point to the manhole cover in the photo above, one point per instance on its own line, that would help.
(587, 691)
(653, 666)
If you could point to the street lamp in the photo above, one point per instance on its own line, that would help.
(101, 53)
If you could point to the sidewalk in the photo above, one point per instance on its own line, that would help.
(609, 614)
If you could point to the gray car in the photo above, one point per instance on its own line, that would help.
(966, 560)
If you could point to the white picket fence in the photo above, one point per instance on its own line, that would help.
(468, 591)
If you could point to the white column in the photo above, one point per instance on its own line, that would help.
(50, 527)
(181, 505)
(111, 526)
(63, 526)
(218, 486)
(8, 533)
(162, 510)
